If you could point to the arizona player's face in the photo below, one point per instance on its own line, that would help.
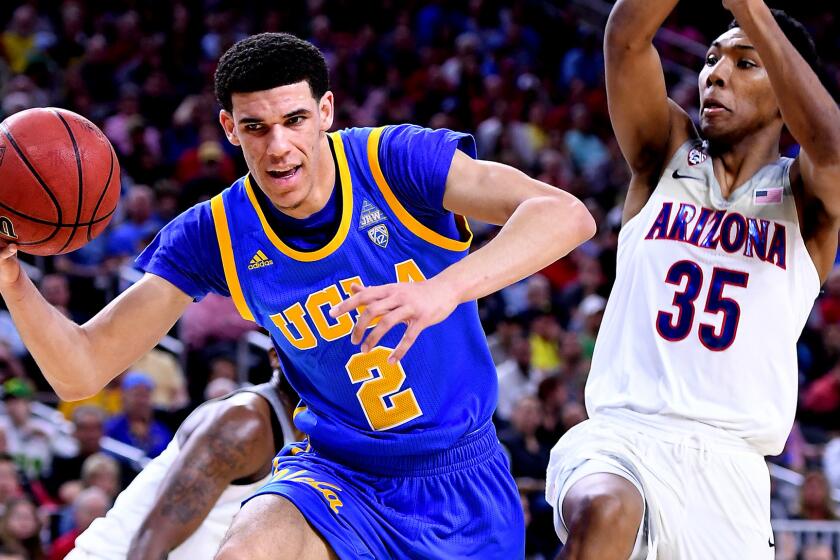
(736, 98)
(282, 135)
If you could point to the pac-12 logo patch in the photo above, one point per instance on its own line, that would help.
(696, 156)
(379, 235)
(7, 228)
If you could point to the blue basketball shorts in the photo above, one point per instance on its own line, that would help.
(459, 503)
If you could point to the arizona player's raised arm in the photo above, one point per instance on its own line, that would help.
(648, 126)
(79, 360)
(809, 112)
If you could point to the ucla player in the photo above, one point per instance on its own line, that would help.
(401, 459)
(722, 253)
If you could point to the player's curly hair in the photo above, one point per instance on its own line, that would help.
(269, 60)
(799, 37)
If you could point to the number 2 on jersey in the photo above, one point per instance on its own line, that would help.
(677, 326)
(374, 389)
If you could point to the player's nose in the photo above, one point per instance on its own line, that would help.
(278, 142)
(719, 74)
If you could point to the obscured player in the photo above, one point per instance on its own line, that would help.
(402, 459)
(182, 503)
(723, 249)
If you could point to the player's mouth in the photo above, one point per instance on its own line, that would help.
(714, 107)
(284, 176)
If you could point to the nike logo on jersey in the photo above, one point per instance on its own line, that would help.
(259, 260)
(712, 229)
(770, 543)
(678, 175)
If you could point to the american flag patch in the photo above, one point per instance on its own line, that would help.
(764, 197)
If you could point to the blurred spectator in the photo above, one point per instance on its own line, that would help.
(65, 477)
(815, 503)
(88, 505)
(10, 486)
(128, 238)
(213, 319)
(170, 391)
(818, 551)
(528, 457)
(20, 528)
(219, 388)
(137, 425)
(28, 438)
(517, 377)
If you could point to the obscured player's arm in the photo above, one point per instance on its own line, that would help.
(541, 224)
(809, 111)
(236, 444)
(648, 126)
(79, 360)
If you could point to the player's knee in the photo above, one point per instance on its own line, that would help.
(615, 514)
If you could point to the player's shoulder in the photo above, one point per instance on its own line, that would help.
(244, 413)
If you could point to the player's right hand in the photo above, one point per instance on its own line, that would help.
(9, 264)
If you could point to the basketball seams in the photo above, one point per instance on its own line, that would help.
(101, 197)
(56, 225)
(80, 197)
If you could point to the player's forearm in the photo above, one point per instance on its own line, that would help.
(540, 231)
(633, 23)
(57, 344)
(808, 110)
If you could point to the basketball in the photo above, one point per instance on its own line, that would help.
(59, 181)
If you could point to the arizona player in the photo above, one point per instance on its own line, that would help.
(402, 460)
(722, 252)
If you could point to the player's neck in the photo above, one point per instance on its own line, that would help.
(736, 163)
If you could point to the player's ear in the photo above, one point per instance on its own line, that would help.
(229, 126)
(325, 108)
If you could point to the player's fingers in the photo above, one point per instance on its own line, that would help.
(9, 250)
(411, 333)
(371, 312)
(386, 323)
(361, 296)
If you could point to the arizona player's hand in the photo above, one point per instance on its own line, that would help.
(733, 5)
(417, 304)
(9, 265)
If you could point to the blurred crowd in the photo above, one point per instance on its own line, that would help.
(524, 76)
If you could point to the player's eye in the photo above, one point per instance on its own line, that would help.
(711, 60)
(253, 127)
(293, 121)
(744, 63)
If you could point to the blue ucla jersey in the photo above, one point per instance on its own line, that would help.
(354, 402)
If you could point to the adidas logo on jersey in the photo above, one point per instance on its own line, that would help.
(259, 260)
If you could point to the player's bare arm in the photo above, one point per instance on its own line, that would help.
(812, 117)
(79, 360)
(234, 444)
(649, 127)
(541, 225)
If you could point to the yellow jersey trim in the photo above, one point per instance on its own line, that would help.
(346, 211)
(217, 206)
(404, 216)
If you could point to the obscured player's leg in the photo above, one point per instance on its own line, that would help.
(270, 527)
(603, 513)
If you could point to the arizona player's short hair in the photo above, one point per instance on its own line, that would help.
(269, 60)
(799, 37)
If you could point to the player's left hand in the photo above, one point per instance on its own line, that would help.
(417, 304)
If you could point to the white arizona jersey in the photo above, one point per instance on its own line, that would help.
(711, 295)
(109, 537)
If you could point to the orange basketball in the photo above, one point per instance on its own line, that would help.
(59, 181)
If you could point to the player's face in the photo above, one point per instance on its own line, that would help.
(282, 135)
(736, 98)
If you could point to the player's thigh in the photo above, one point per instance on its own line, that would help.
(604, 504)
(270, 527)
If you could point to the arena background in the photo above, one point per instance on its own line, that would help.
(524, 76)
